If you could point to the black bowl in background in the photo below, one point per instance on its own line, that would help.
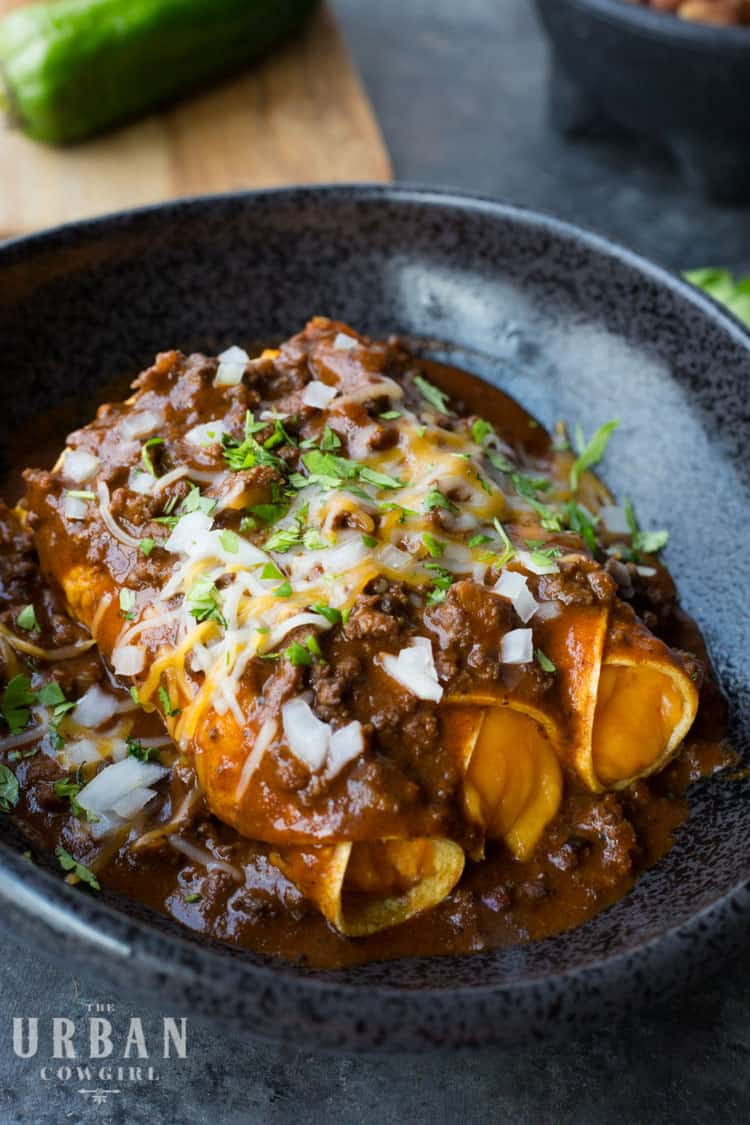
(575, 328)
(620, 65)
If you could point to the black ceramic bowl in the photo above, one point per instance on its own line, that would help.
(572, 326)
(617, 64)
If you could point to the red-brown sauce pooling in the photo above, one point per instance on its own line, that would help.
(588, 857)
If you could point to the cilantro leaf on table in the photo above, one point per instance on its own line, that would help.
(724, 288)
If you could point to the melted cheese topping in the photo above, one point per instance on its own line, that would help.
(348, 521)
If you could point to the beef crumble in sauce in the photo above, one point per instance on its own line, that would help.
(299, 454)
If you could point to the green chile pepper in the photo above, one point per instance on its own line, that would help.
(70, 68)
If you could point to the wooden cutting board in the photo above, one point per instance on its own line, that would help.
(300, 116)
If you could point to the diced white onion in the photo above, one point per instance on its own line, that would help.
(395, 559)
(334, 560)
(142, 483)
(646, 571)
(548, 566)
(129, 660)
(187, 532)
(344, 343)
(517, 647)
(547, 611)
(463, 521)
(81, 751)
(232, 364)
(112, 785)
(479, 573)
(306, 735)
(133, 802)
(512, 585)
(457, 558)
(95, 707)
(79, 466)
(140, 425)
(614, 519)
(414, 668)
(74, 508)
(318, 394)
(345, 745)
(207, 433)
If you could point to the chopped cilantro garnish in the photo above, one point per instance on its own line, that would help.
(229, 542)
(298, 655)
(272, 512)
(544, 662)
(380, 480)
(441, 583)
(330, 440)
(592, 453)
(650, 542)
(27, 620)
(390, 415)
(284, 539)
(193, 897)
(9, 792)
(724, 287)
(500, 462)
(508, 548)
(16, 700)
(146, 460)
(527, 487)
(70, 787)
(203, 601)
(127, 603)
(436, 499)
(250, 452)
(314, 541)
(284, 590)
(167, 706)
(328, 469)
(136, 749)
(478, 540)
(196, 502)
(147, 545)
(51, 695)
(432, 394)
(369, 541)
(333, 615)
(270, 571)
(481, 430)
(435, 548)
(391, 506)
(135, 696)
(83, 874)
(312, 644)
(582, 525)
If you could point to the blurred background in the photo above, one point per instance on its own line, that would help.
(430, 91)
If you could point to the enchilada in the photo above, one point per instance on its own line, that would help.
(384, 630)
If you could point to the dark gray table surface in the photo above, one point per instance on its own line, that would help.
(458, 86)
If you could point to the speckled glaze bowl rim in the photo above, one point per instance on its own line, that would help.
(42, 909)
(665, 25)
